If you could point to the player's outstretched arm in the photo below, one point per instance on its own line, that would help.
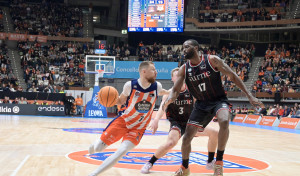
(164, 92)
(219, 64)
(174, 93)
(154, 123)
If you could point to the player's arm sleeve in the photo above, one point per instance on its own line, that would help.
(125, 93)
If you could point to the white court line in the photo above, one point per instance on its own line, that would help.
(20, 165)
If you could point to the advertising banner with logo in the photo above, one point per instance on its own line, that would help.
(17, 109)
(42, 39)
(32, 38)
(50, 110)
(292, 123)
(130, 69)
(240, 118)
(93, 108)
(21, 37)
(269, 121)
(253, 119)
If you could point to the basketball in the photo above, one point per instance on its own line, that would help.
(108, 96)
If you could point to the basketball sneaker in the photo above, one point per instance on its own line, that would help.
(182, 172)
(91, 149)
(218, 168)
(146, 168)
(210, 166)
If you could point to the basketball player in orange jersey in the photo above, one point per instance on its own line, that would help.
(178, 114)
(202, 75)
(139, 96)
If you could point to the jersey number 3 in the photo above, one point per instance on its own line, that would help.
(180, 110)
(202, 87)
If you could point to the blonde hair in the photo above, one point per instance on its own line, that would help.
(174, 70)
(144, 65)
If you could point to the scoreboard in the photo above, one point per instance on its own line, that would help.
(155, 15)
(100, 46)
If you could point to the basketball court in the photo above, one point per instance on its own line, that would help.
(33, 145)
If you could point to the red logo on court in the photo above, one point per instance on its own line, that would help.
(136, 158)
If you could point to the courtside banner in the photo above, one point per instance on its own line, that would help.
(50, 110)
(240, 118)
(292, 123)
(130, 69)
(269, 121)
(18, 109)
(253, 119)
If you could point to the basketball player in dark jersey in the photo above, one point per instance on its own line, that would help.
(178, 114)
(202, 75)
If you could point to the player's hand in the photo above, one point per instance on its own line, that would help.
(153, 126)
(255, 101)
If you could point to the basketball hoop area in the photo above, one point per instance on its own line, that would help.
(99, 65)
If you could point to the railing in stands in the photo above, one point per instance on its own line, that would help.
(284, 95)
(242, 24)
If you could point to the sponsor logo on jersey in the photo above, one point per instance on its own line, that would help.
(136, 158)
(143, 106)
(137, 94)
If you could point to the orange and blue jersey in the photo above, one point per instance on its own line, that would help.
(139, 106)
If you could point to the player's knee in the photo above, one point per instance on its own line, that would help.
(224, 123)
(171, 144)
(187, 138)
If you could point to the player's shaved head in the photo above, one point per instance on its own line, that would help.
(193, 42)
(145, 65)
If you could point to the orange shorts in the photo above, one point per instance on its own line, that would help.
(117, 129)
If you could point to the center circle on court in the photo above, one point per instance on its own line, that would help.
(136, 158)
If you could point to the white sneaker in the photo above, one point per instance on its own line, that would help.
(91, 149)
(146, 168)
(210, 166)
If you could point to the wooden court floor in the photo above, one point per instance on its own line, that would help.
(42, 146)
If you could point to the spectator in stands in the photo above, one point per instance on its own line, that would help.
(286, 111)
(16, 101)
(11, 88)
(22, 101)
(281, 111)
(6, 100)
(79, 103)
(239, 110)
(62, 90)
(271, 110)
(292, 112)
(19, 89)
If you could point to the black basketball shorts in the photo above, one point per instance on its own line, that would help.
(204, 112)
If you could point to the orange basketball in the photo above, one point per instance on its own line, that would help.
(108, 96)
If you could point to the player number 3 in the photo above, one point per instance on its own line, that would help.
(180, 110)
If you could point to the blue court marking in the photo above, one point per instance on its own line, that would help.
(287, 130)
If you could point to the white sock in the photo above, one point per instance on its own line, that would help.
(109, 162)
(98, 146)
